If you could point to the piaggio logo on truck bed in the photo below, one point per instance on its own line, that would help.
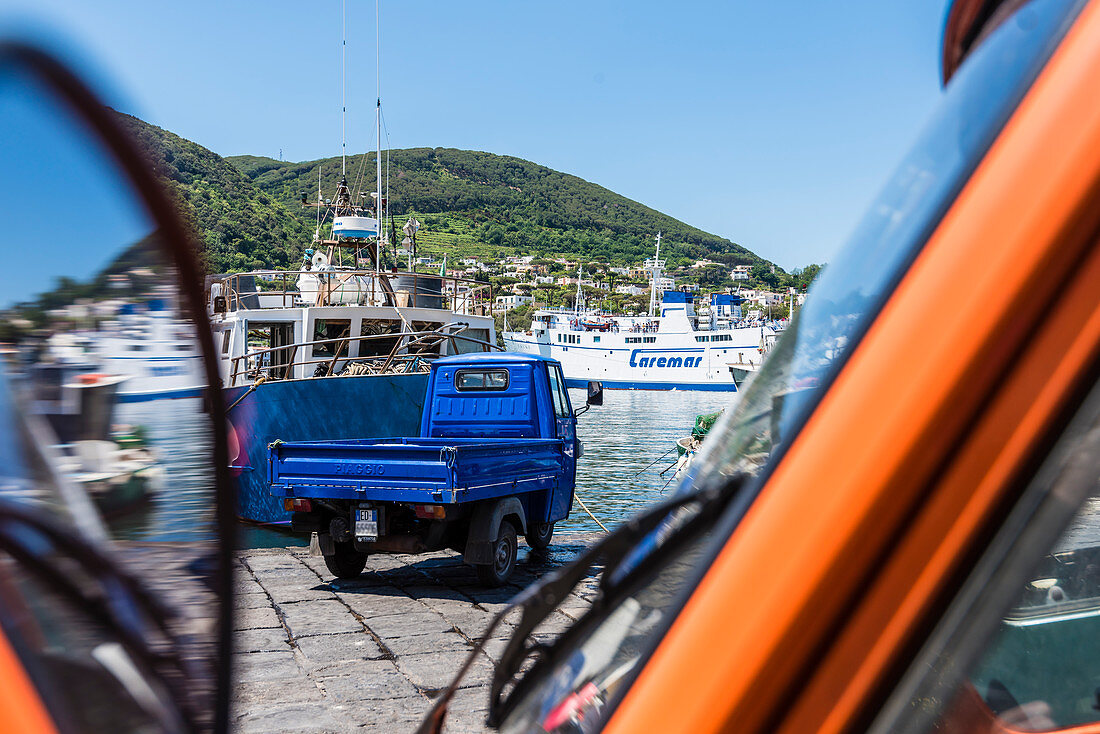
(367, 469)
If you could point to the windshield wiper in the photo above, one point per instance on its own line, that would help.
(632, 553)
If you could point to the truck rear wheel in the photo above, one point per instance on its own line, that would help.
(505, 550)
(539, 534)
(346, 562)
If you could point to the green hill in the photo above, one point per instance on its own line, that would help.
(481, 204)
(247, 210)
(241, 227)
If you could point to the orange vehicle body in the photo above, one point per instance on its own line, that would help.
(874, 519)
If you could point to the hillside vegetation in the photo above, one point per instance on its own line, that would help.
(240, 226)
(247, 209)
(476, 204)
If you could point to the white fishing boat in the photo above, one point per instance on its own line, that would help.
(339, 347)
(670, 348)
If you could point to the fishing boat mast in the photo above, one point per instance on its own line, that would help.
(379, 201)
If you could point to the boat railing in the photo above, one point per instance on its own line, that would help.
(260, 289)
(411, 352)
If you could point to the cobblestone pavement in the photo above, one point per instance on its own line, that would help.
(318, 654)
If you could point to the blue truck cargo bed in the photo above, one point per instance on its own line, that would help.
(416, 470)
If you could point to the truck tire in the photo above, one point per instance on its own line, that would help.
(539, 534)
(505, 550)
(346, 562)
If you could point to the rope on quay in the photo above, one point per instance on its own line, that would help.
(585, 508)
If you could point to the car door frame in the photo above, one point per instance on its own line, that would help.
(862, 534)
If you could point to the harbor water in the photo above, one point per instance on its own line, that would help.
(632, 429)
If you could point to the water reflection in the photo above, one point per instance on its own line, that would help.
(632, 429)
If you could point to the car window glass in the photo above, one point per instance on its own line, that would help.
(557, 390)
(844, 301)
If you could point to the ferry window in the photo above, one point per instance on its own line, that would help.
(481, 380)
(557, 392)
(225, 341)
(325, 329)
(595, 339)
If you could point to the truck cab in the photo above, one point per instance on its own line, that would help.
(496, 458)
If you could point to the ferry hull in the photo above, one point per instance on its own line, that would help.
(316, 409)
(646, 385)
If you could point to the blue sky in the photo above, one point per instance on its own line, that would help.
(773, 124)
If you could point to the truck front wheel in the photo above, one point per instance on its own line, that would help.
(346, 562)
(539, 534)
(505, 549)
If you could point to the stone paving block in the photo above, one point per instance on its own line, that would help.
(250, 694)
(436, 642)
(259, 563)
(243, 583)
(428, 593)
(261, 640)
(555, 623)
(258, 618)
(263, 666)
(471, 621)
(318, 618)
(394, 716)
(299, 576)
(291, 717)
(465, 722)
(383, 562)
(365, 680)
(363, 583)
(436, 670)
(404, 625)
(325, 649)
(288, 594)
(251, 600)
(470, 700)
(494, 648)
(316, 564)
(404, 576)
(383, 601)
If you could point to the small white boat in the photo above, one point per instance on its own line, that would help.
(344, 227)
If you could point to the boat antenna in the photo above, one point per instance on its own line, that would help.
(320, 201)
(378, 125)
(343, 89)
(654, 267)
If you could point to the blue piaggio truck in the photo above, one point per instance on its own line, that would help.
(496, 458)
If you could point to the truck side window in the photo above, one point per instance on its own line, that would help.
(481, 380)
(557, 392)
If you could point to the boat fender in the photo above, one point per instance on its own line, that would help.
(485, 527)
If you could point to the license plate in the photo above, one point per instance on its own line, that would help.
(366, 524)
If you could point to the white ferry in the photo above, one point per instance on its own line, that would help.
(675, 349)
(145, 343)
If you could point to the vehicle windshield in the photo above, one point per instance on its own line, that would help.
(580, 692)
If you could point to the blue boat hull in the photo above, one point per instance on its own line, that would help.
(317, 409)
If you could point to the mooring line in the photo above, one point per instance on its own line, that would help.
(585, 508)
